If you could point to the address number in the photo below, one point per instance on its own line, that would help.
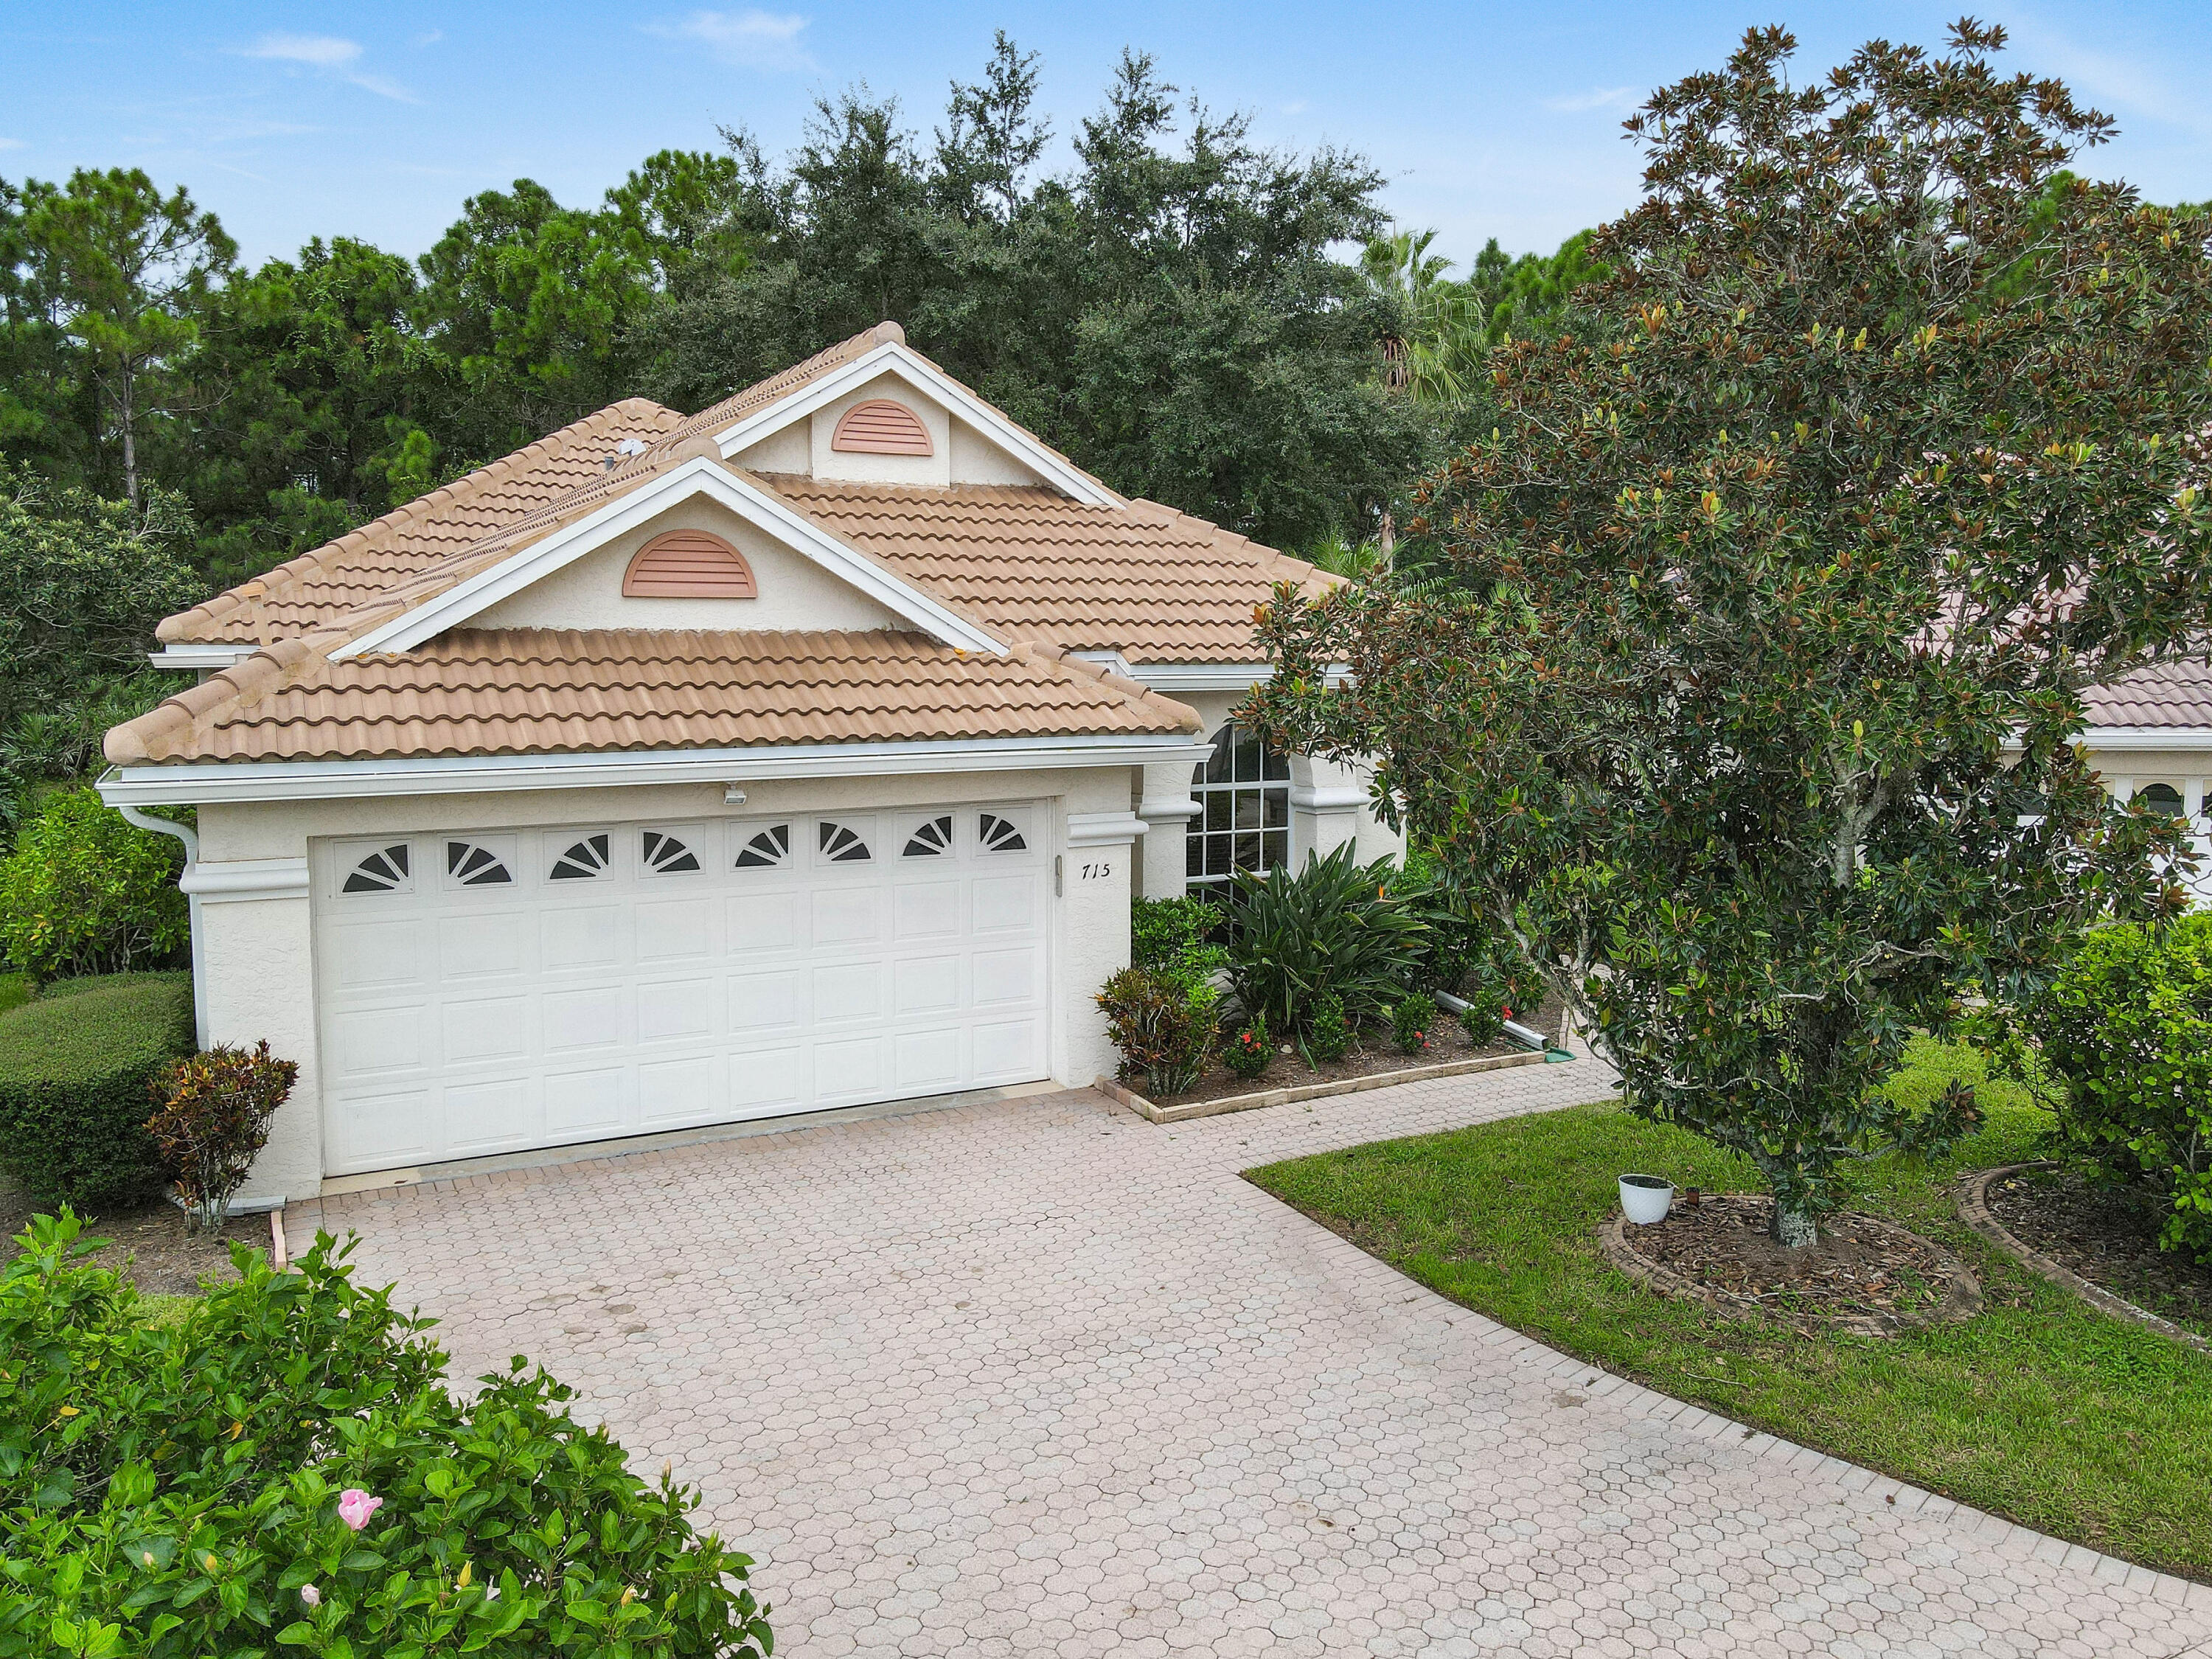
(1101, 871)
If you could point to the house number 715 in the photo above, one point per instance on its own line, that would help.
(1101, 871)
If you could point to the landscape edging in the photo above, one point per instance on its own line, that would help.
(1974, 1210)
(1121, 1095)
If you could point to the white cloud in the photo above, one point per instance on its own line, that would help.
(323, 51)
(1596, 98)
(330, 52)
(431, 39)
(12, 143)
(751, 38)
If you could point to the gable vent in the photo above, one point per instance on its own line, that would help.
(688, 564)
(880, 427)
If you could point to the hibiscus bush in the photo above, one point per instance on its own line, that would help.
(286, 1470)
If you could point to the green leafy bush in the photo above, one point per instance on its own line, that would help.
(1411, 1020)
(285, 1468)
(86, 893)
(1482, 1019)
(1249, 1052)
(1329, 1032)
(75, 1064)
(1176, 938)
(2125, 1029)
(212, 1115)
(1334, 928)
(1163, 1029)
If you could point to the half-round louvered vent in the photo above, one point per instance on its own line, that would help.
(688, 564)
(880, 427)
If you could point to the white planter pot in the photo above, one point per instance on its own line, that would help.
(1646, 1199)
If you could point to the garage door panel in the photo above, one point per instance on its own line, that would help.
(376, 955)
(675, 930)
(662, 984)
(763, 1003)
(369, 1042)
(582, 1104)
(494, 1028)
(581, 937)
(495, 1116)
(484, 946)
(594, 1018)
(677, 1010)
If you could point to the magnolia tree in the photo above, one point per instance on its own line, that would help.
(1750, 708)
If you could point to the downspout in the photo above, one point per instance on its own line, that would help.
(1553, 1052)
(145, 820)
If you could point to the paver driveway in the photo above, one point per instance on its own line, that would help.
(1039, 1377)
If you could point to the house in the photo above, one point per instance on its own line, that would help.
(2149, 736)
(801, 754)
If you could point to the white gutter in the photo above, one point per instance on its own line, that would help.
(267, 781)
(2121, 739)
(1215, 676)
(208, 658)
(192, 840)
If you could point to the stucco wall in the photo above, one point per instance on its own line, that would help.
(934, 468)
(794, 593)
(257, 956)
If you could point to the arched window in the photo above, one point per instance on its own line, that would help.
(2160, 797)
(1243, 822)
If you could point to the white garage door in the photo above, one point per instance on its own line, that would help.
(483, 992)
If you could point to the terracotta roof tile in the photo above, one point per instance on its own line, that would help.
(759, 395)
(539, 692)
(2162, 695)
(1157, 585)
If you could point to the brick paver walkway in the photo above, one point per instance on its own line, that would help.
(1039, 1377)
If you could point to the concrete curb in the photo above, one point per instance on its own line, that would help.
(1153, 1112)
(1974, 1210)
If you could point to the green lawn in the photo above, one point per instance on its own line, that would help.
(2040, 1408)
(15, 991)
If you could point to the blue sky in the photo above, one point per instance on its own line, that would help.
(1502, 119)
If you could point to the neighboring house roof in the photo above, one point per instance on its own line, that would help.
(528, 692)
(1153, 584)
(2164, 695)
(1020, 562)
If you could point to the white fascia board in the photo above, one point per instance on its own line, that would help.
(209, 657)
(2116, 739)
(1215, 676)
(218, 782)
(834, 384)
(697, 476)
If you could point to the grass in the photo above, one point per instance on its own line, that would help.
(16, 990)
(2040, 1408)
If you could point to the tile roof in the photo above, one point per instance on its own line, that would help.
(528, 692)
(2160, 695)
(1155, 585)
(759, 395)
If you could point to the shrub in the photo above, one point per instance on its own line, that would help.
(1176, 938)
(212, 1117)
(1334, 928)
(86, 893)
(1250, 1052)
(1411, 1020)
(1328, 1031)
(75, 1067)
(1163, 1029)
(1482, 1019)
(285, 1468)
(2125, 1029)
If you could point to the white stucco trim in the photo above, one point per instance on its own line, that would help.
(1103, 829)
(698, 476)
(1319, 798)
(208, 658)
(220, 783)
(237, 880)
(1214, 675)
(1056, 469)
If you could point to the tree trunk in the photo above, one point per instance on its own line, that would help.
(1796, 1226)
(1388, 541)
(125, 408)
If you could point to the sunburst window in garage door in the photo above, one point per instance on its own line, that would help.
(933, 838)
(765, 849)
(842, 845)
(1000, 835)
(666, 855)
(585, 860)
(384, 871)
(471, 864)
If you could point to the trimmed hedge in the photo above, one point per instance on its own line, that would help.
(75, 1067)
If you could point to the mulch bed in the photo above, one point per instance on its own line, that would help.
(1376, 1051)
(149, 1244)
(1866, 1275)
(2108, 1234)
